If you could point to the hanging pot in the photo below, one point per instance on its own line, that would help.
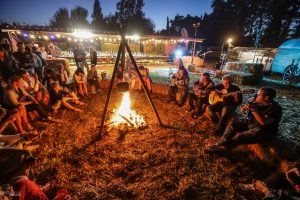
(123, 87)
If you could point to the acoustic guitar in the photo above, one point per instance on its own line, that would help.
(218, 96)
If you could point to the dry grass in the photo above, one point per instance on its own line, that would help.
(155, 163)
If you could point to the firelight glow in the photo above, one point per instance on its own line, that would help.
(125, 111)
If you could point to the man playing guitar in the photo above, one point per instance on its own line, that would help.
(226, 107)
(201, 89)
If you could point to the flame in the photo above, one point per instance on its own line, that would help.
(125, 111)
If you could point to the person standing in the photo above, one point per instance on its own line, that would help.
(93, 56)
(80, 57)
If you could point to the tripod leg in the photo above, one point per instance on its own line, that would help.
(110, 89)
(142, 81)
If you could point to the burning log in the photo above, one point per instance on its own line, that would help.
(127, 120)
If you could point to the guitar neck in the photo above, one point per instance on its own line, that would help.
(229, 94)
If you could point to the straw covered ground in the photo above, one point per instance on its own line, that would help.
(154, 163)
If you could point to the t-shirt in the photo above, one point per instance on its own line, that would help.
(272, 111)
(183, 81)
(204, 88)
(26, 190)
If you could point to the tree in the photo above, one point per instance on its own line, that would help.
(283, 14)
(168, 24)
(60, 18)
(78, 17)
(97, 16)
(131, 16)
(111, 23)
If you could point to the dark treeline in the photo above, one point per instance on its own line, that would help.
(265, 22)
(129, 13)
(270, 22)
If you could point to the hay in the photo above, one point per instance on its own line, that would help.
(152, 163)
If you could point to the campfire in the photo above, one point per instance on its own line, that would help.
(124, 115)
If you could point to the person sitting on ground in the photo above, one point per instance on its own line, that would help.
(200, 94)
(133, 76)
(9, 65)
(146, 78)
(63, 78)
(60, 98)
(25, 58)
(33, 86)
(93, 78)
(180, 84)
(16, 96)
(49, 78)
(264, 115)
(279, 185)
(120, 74)
(21, 112)
(80, 81)
(12, 117)
(15, 170)
(225, 106)
(31, 60)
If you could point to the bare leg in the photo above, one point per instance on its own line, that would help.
(23, 113)
(80, 89)
(46, 98)
(148, 83)
(85, 89)
(69, 106)
(18, 122)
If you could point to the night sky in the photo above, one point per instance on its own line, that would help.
(38, 12)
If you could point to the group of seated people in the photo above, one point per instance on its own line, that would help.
(29, 93)
(131, 75)
(220, 102)
(263, 115)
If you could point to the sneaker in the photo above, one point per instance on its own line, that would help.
(215, 149)
(100, 91)
(28, 127)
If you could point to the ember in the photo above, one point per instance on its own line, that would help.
(124, 114)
